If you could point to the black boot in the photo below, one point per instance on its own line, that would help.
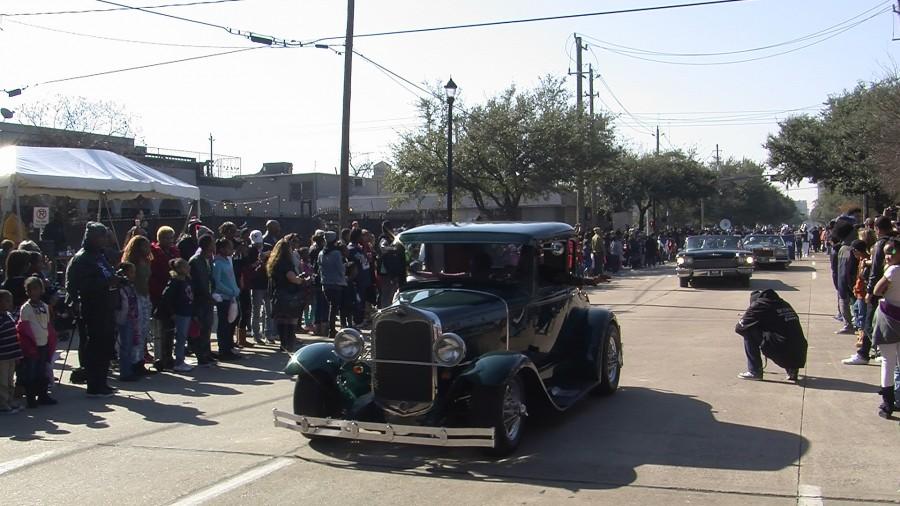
(887, 404)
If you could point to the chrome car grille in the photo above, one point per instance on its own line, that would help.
(714, 263)
(402, 385)
(763, 252)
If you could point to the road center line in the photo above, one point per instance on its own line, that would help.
(814, 275)
(809, 495)
(234, 482)
(12, 465)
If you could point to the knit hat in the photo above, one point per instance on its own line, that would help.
(330, 236)
(256, 237)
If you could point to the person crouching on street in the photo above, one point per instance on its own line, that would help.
(772, 326)
(128, 321)
(178, 297)
(886, 329)
(37, 338)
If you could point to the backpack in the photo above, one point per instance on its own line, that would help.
(392, 262)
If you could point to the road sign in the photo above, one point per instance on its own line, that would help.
(41, 217)
(725, 224)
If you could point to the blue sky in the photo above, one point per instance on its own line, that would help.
(284, 105)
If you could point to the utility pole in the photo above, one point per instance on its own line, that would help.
(593, 203)
(210, 155)
(717, 157)
(657, 140)
(579, 171)
(344, 210)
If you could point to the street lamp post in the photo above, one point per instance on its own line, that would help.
(450, 88)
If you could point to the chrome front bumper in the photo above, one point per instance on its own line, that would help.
(726, 272)
(385, 432)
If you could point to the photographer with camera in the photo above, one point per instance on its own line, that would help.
(771, 326)
(92, 288)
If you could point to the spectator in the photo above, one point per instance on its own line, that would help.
(287, 293)
(187, 242)
(91, 289)
(843, 272)
(598, 251)
(178, 297)
(10, 355)
(362, 278)
(128, 321)
(37, 339)
(225, 293)
(308, 311)
(202, 288)
(886, 330)
(241, 262)
(18, 262)
(333, 277)
(163, 250)
(320, 305)
(771, 326)
(138, 253)
(258, 280)
(6, 246)
(273, 233)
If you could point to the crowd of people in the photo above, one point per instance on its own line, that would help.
(158, 301)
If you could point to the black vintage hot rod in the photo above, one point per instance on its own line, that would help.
(491, 327)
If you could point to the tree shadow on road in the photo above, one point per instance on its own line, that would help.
(598, 446)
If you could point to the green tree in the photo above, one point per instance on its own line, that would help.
(745, 196)
(671, 177)
(516, 146)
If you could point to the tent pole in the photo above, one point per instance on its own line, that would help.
(99, 207)
(112, 226)
(18, 207)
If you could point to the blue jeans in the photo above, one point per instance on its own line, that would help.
(859, 313)
(182, 325)
(127, 353)
(752, 341)
(261, 314)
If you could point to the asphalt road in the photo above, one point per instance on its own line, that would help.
(681, 429)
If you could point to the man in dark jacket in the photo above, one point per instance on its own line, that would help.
(843, 271)
(201, 284)
(92, 290)
(771, 325)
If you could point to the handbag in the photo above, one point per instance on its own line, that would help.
(232, 311)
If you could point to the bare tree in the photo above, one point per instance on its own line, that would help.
(79, 116)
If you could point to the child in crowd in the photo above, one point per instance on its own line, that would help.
(37, 338)
(128, 322)
(10, 354)
(178, 296)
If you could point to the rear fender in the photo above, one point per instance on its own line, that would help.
(316, 360)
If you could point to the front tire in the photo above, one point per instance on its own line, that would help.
(609, 362)
(503, 408)
(745, 281)
(684, 282)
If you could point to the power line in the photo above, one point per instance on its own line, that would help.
(114, 39)
(87, 11)
(745, 60)
(532, 20)
(824, 31)
(139, 67)
(253, 36)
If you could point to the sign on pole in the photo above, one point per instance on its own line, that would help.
(41, 217)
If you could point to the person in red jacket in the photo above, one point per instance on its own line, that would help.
(37, 339)
(163, 251)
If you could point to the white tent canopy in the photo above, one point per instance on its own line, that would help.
(85, 174)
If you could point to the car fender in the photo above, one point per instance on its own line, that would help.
(316, 359)
(598, 321)
(494, 369)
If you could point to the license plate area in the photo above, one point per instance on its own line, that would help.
(714, 274)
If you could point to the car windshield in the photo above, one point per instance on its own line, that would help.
(712, 242)
(763, 240)
(494, 263)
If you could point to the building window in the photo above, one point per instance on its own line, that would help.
(296, 192)
(358, 182)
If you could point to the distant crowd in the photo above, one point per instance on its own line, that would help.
(159, 299)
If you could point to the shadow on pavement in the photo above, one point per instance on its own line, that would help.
(840, 385)
(598, 446)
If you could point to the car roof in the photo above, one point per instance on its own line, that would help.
(487, 232)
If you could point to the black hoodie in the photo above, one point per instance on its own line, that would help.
(783, 339)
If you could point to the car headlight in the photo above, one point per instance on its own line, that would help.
(349, 344)
(449, 349)
(749, 260)
(679, 260)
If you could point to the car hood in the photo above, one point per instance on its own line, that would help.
(713, 253)
(461, 311)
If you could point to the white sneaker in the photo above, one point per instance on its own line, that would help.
(182, 367)
(855, 359)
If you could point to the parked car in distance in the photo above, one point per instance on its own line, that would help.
(491, 327)
(714, 256)
(768, 250)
